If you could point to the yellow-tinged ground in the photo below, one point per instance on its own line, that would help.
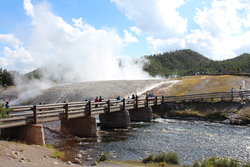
(207, 84)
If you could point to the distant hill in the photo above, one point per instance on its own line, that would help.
(188, 62)
(35, 74)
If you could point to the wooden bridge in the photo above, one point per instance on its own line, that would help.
(36, 114)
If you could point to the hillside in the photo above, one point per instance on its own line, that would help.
(188, 62)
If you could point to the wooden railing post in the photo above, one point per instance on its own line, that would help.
(35, 114)
(123, 104)
(108, 109)
(136, 101)
(146, 105)
(89, 108)
(162, 99)
(66, 107)
(156, 98)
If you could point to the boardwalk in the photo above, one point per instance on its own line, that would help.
(34, 114)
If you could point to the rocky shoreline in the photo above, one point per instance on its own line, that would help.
(226, 112)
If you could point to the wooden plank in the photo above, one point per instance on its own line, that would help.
(97, 112)
(12, 119)
(20, 107)
(48, 115)
(21, 114)
(77, 105)
(13, 124)
(49, 107)
(50, 111)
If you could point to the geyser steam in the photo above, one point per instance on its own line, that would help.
(74, 52)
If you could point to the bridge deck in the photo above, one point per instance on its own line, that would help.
(23, 115)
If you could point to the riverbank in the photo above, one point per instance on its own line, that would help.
(13, 154)
(233, 112)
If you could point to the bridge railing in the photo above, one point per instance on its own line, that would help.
(23, 115)
(217, 95)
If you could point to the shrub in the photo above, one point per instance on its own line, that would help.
(4, 112)
(149, 159)
(247, 164)
(171, 158)
(220, 162)
(104, 157)
(196, 164)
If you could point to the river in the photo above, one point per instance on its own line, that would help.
(192, 140)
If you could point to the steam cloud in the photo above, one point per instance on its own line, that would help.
(73, 52)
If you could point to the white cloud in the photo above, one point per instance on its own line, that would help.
(157, 18)
(222, 33)
(136, 30)
(222, 19)
(15, 56)
(3, 62)
(128, 37)
(29, 8)
(10, 39)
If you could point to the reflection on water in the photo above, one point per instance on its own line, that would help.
(193, 140)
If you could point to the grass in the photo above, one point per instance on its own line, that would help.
(169, 158)
(206, 84)
(185, 85)
(210, 162)
(218, 162)
(138, 163)
(56, 153)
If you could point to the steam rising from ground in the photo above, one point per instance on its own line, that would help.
(78, 51)
(72, 52)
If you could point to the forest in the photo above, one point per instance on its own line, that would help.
(188, 62)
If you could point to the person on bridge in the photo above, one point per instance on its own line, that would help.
(118, 98)
(96, 99)
(133, 96)
(100, 99)
(6, 105)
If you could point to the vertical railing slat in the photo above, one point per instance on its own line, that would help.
(136, 102)
(66, 107)
(123, 104)
(35, 114)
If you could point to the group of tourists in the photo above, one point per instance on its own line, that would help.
(100, 99)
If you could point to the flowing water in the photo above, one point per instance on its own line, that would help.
(193, 140)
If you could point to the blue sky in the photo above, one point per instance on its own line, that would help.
(35, 32)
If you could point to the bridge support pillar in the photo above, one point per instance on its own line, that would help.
(115, 119)
(29, 134)
(82, 126)
(141, 114)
